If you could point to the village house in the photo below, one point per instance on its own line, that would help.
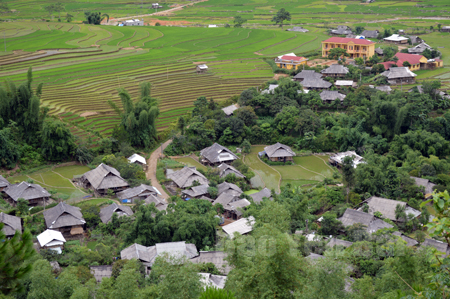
(195, 192)
(101, 272)
(201, 68)
(425, 184)
(379, 51)
(218, 258)
(419, 49)
(387, 207)
(138, 159)
(156, 5)
(440, 246)
(370, 33)
(133, 22)
(439, 93)
(315, 83)
(3, 183)
(185, 177)
(259, 196)
(414, 39)
(209, 280)
(396, 39)
(279, 152)
(371, 223)
(345, 83)
(234, 209)
(399, 75)
(290, 62)
(385, 88)
(51, 239)
(227, 193)
(409, 241)
(354, 47)
(445, 29)
(147, 255)
(107, 212)
(417, 62)
(304, 74)
(338, 242)
(159, 202)
(329, 96)
(270, 89)
(216, 154)
(338, 158)
(102, 179)
(66, 219)
(335, 70)
(297, 29)
(229, 110)
(242, 226)
(226, 169)
(11, 224)
(140, 192)
(34, 194)
(341, 30)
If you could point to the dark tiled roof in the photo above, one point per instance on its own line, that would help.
(217, 153)
(104, 177)
(278, 150)
(185, 177)
(107, 212)
(63, 215)
(226, 169)
(26, 191)
(141, 190)
(335, 69)
(258, 197)
(315, 83)
(3, 182)
(11, 224)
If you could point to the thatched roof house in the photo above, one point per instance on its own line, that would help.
(258, 196)
(138, 159)
(185, 178)
(216, 154)
(11, 224)
(338, 242)
(379, 51)
(370, 33)
(419, 49)
(3, 183)
(215, 257)
(297, 29)
(140, 192)
(409, 241)
(51, 239)
(107, 212)
(234, 209)
(66, 219)
(147, 255)
(386, 88)
(439, 245)
(341, 30)
(270, 89)
(316, 83)
(329, 96)
(33, 193)
(426, 184)
(242, 226)
(279, 152)
(305, 74)
(102, 179)
(227, 192)
(371, 223)
(335, 70)
(398, 75)
(101, 272)
(212, 281)
(195, 192)
(338, 158)
(387, 207)
(314, 256)
(229, 110)
(345, 83)
(160, 203)
(226, 169)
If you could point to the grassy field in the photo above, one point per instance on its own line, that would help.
(270, 177)
(191, 163)
(58, 179)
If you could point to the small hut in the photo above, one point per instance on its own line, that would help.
(201, 68)
(66, 219)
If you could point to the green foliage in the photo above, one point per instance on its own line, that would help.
(239, 21)
(213, 293)
(281, 16)
(337, 53)
(91, 213)
(95, 17)
(58, 143)
(14, 255)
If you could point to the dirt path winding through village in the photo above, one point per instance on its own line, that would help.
(151, 168)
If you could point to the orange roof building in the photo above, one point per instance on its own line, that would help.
(290, 62)
(355, 47)
(417, 62)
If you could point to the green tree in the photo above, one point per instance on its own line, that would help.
(406, 64)
(138, 119)
(238, 21)
(281, 16)
(95, 18)
(127, 282)
(246, 146)
(181, 124)
(348, 173)
(43, 284)
(58, 143)
(69, 17)
(213, 293)
(329, 224)
(14, 256)
(439, 27)
(22, 207)
(9, 151)
(359, 29)
(337, 53)
(50, 9)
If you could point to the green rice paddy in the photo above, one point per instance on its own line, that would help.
(191, 162)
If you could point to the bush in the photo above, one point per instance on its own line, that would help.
(268, 162)
(35, 210)
(157, 24)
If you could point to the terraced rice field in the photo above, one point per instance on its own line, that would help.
(82, 66)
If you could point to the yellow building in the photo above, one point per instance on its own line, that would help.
(290, 62)
(355, 47)
(417, 62)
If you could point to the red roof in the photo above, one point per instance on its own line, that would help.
(295, 58)
(402, 57)
(344, 40)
